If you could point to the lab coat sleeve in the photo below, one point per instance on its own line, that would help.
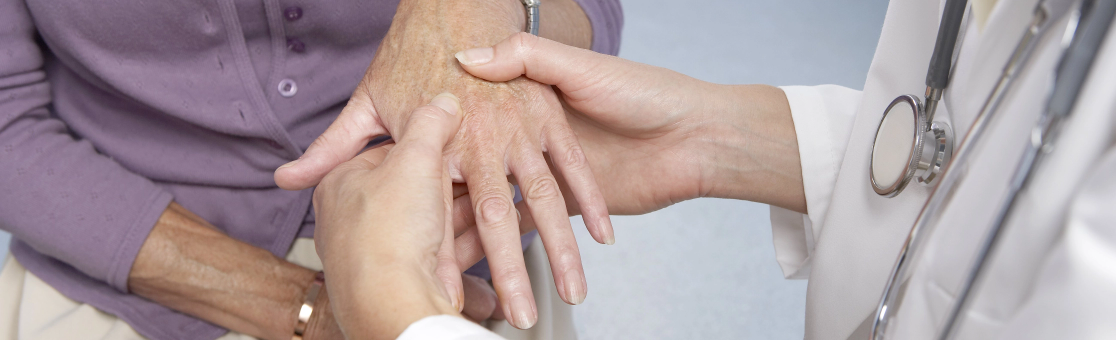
(446, 327)
(1075, 293)
(823, 119)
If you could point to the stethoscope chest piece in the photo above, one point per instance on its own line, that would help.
(908, 146)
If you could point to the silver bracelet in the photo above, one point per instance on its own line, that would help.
(532, 15)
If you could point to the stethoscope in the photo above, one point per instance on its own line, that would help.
(909, 144)
(1084, 34)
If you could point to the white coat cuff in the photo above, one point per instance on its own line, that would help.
(446, 327)
(823, 118)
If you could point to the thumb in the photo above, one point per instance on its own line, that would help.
(542, 60)
(350, 132)
(419, 145)
(429, 129)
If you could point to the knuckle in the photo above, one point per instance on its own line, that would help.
(511, 278)
(494, 208)
(334, 143)
(574, 157)
(427, 113)
(542, 188)
(523, 41)
(322, 141)
(447, 265)
(525, 44)
(362, 121)
(570, 256)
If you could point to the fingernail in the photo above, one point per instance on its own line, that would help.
(455, 299)
(461, 300)
(608, 231)
(575, 291)
(475, 56)
(289, 164)
(447, 101)
(522, 312)
(518, 215)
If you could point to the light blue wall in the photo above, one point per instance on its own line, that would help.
(4, 239)
(705, 269)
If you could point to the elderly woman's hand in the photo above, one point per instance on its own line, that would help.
(654, 137)
(507, 128)
(382, 230)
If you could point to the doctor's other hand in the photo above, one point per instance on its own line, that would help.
(382, 232)
(654, 137)
(506, 129)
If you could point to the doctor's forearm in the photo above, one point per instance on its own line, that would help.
(753, 149)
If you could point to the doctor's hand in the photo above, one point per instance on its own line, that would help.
(654, 137)
(382, 232)
(507, 129)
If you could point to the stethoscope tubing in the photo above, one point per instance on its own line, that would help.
(941, 60)
(1089, 27)
(952, 175)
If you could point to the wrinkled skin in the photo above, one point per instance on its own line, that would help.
(654, 137)
(382, 230)
(506, 129)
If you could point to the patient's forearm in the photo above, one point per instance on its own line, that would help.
(473, 23)
(187, 265)
(753, 153)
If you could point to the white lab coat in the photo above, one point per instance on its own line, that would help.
(1054, 274)
(859, 233)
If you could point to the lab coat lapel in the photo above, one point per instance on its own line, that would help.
(1008, 287)
(981, 61)
(948, 251)
(863, 231)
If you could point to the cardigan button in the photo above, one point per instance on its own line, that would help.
(292, 13)
(287, 88)
(296, 45)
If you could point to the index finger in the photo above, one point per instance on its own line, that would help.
(427, 132)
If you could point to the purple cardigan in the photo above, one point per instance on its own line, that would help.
(110, 109)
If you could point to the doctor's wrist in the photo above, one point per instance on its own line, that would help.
(752, 148)
(405, 291)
